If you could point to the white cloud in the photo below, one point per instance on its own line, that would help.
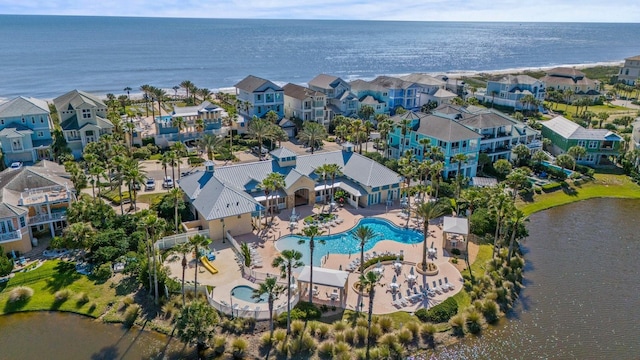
(426, 10)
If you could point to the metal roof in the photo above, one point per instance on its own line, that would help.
(75, 98)
(22, 106)
(570, 130)
(283, 152)
(455, 225)
(324, 276)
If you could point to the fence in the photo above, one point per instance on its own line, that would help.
(248, 273)
(173, 240)
(259, 312)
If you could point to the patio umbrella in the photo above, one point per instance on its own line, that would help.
(411, 271)
(394, 280)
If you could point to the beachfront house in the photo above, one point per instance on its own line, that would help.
(601, 144)
(25, 130)
(332, 86)
(630, 71)
(230, 197)
(205, 118)
(305, 104)
(258, 96)
(431, 89)
(500, 132)
(450, 136)
(83, 119)
(564, 78)
(509, 90)
(401, 93)
(371, 94)
(33, 203)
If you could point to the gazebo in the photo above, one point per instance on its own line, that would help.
(455, 231)
(336, 279)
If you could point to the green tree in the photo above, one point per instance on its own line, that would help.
(602, 117)
(79, 235)
(286, 262)
(271, 183)
(180, 150)
(502, 167)
(6, 264)
(522, 152)
(312, 134)
(260, 129)
(368, 284)
(517, 179)
(311, 232)
(272, 117)
(210, 144)
(175, 195)
(133, 175)
(182, 249)
(333, 171)
(196, 324)
(366, 112)
(363, 234)
(427, 211)
(576, 153)
(273, 290)
(405, 127)
(539, 156)
(154, 228)
(565, 161)
(499, 205)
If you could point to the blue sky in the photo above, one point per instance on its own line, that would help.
(421, 10)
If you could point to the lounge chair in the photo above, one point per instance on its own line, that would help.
(396, 303)
(430, 291)
(448, 284)
(403, 301)
(444, 287)
(436, 288)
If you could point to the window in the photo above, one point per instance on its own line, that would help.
(86, 113)
(22, 222)
(41, 119)
(416, 137)
(593, 144)
(23, 120)
(2, 121)
(33, 120)
(582, 143)
(40, 133)
(259, 97)
(384, 94)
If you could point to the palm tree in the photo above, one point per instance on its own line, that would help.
(154, 227)
(363, 234)
(459, 158)
(334, 171)
(210, 144)
(286, 262)
(165, 160)
(436, 174)
(539, 157)
(79, 235)
(179, 123)
(271, 183)
(118, 163)
(426, 145)
(321, 171)
(499, 204)
(183, 249)
(187, 85)
(341, 132)
(199, 125)
(146, 93)
(368, 128)
(385, 126)
(96, 170)
(172, 159)
(311, 232)
(312, 134)
(577, 152)
(516, 219)
(133, 175)
(205, 93)
(175, 195)
(565, 161)
(175, 91)
(426, 211)
(517, 179)
(273, 291)
(368, 283)
(260, 129)
(404, 125)
(127, 90)
(198, 241)
(180, 150)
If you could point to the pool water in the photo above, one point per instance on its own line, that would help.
(549, 165)
(164, 118)
(244, 293)
(346, 242)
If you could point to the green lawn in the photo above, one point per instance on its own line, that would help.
(52, 276)
(151, 199)
(571, 110)
(604, 185)
(484, 255)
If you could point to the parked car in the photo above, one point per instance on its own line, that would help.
(167, 183)
(257, 149)
(16, 165)
(150, 184)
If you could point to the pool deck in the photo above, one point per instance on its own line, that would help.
(230, 275)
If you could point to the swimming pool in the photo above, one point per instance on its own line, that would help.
(550, 165)
(164, 118)
(244, 293)
(346, 242)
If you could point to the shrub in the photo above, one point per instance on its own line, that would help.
(349, 336)
(427, 331)
(131, 315)
(455, 251)
(82, 299)
(20, 293)
(414, 327)
(238, 348)
(404, 337)
(376, 331)
(375, 260)
(302, 311)
(103, 272)
(457, 324)
(361, 332)
(341, 348)
(474, 321)
(62, 295)
(388, 340)
(339, 336)
(551, 187)
(219, 345)
(362, 322)
(303, 345)
(128, 300)
(386, 323)
(439, 313)
(297, 327)
(279, 335)
(323, 331)
(325, 350)
(6, 264)
(490, 310)
(339, 325)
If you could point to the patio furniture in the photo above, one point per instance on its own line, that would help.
(448, 284)
(442, 286)
(436, 288)
(403, 301)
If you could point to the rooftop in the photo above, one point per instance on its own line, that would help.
(22, 106)
(570, 130)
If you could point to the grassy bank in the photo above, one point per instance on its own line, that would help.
(603, 185)
(75, 292)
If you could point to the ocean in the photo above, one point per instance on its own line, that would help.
(46, 56)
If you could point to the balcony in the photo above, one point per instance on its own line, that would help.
(46, 218)
(10, 236)
(467, 149)
(48, 194)
(496, 150)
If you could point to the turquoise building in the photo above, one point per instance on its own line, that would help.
(258, 96)
(25, 130)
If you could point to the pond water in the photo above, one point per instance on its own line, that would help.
(581, 297)
(53, 336)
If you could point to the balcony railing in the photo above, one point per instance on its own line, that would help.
(45, 218)
(463, 149)
(44, 194)
(10, 236)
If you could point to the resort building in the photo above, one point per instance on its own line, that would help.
(33, 201)
(83, 119)
(509, 91)
(452, 137)
(305, 104)
(630, 71)
(231, 198)
(258, 96)
(25, 130)
(601, 144)
(563, 79)
(500, 133)
(205, 118)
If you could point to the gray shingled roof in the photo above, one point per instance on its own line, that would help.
(570, 130)
(70, 124)
(423, 79)
(75, 98)
(360, 85)
(516, 79)
(370, 100)
(485, 121)
(445, 129)
(283, 152)
(23, 106)
(391, 82)
(449, 109)
(323, 81)
(15, 130)
(299, 92)
(252, 83)
(409, 115)
(214, 199)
